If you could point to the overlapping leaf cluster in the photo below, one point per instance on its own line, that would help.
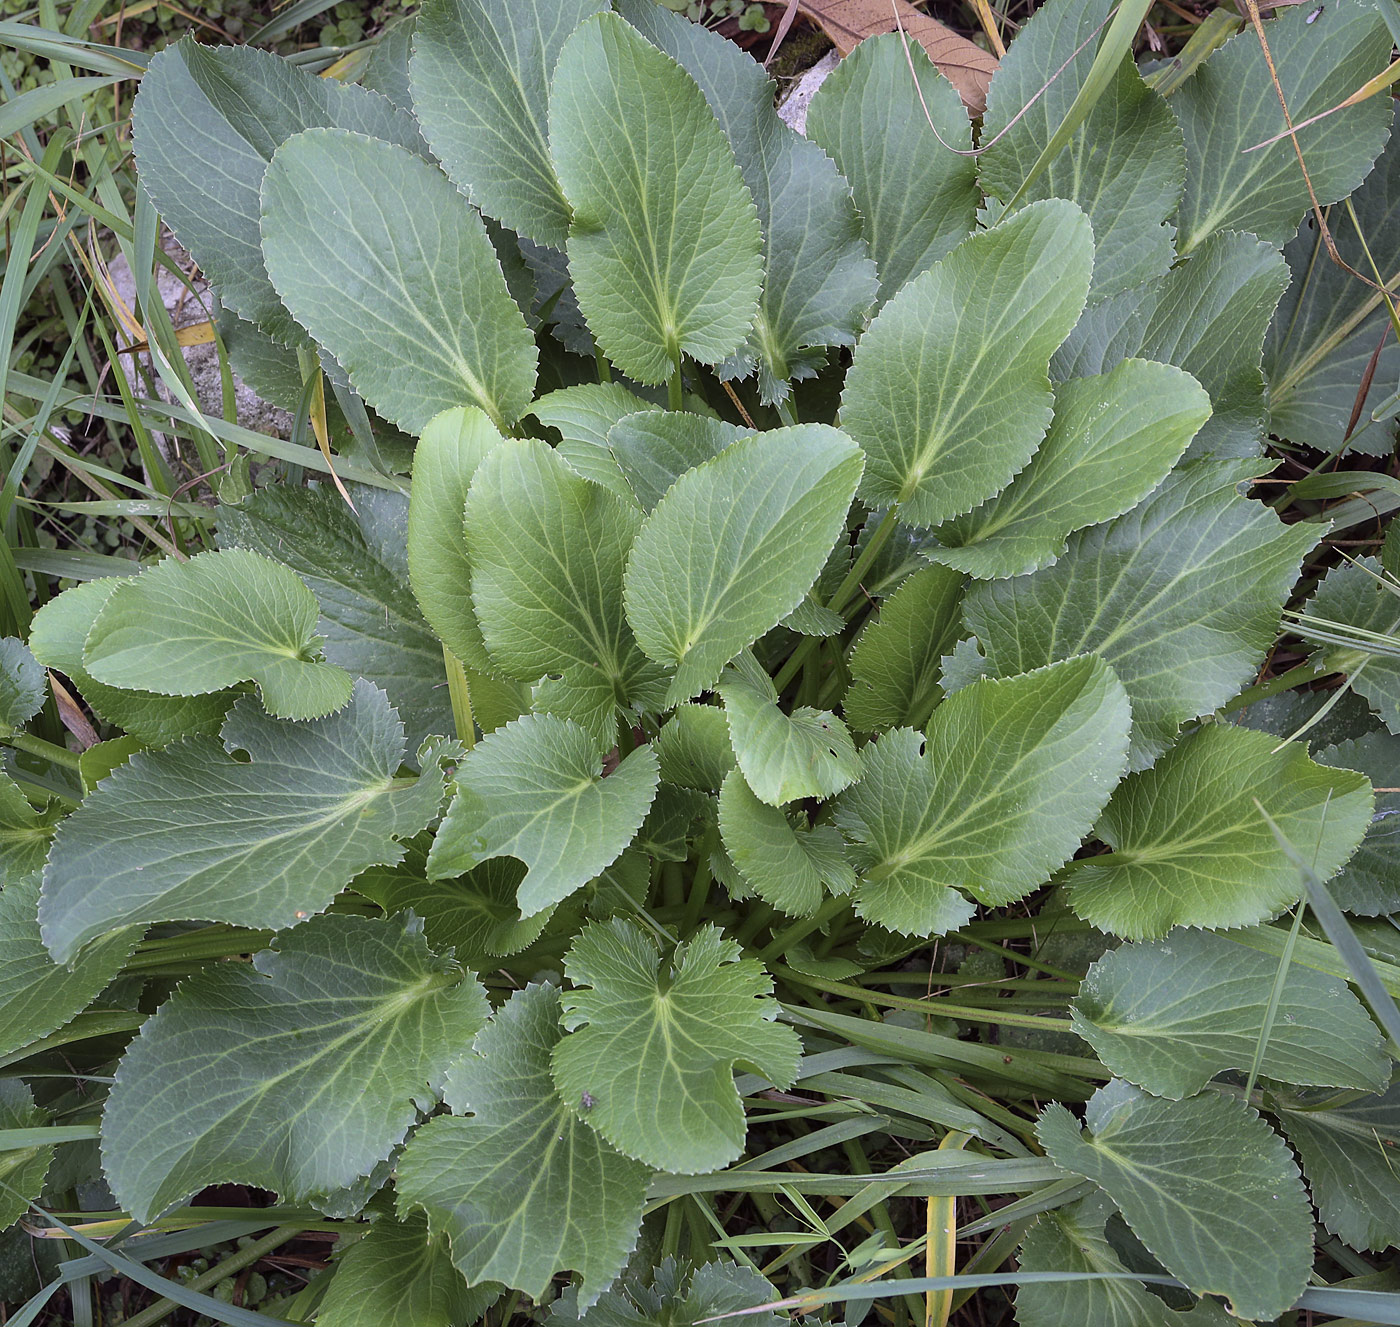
(811, 545)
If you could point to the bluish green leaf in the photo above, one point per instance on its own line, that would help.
(192, 833)
(534, 790)
(24, 832)
(1352, 596)
(693, 747)
(672, 1293)
(22, 1169)
(946, 402)
(297, 1073)
(22, 685)
(584, 415)
(630, 134)
(653, 1043)
(652, 449)
(1370, 881)
(523, 1188)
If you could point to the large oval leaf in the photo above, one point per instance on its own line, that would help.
(949, 390)
(390, 269)
(665, 244)
(733, 547)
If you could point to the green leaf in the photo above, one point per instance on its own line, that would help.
(584, 415)
(735, 545)
(654, 280)
(1008, 782)
(297, 1073)
(1072, 1239)
(789, 866)
(673, 1294)
(534, 790)
(547, 551)
(352, 563)
(22, 1170)
(807, 753)
(480, 72)
(396, 278)
(234, 105)
(947, 403)
(399, 1275)
(818, 279)
(897, 662)
(1370, 881)
(37, 995)
(1229, 105)
(693, 748)
(453, 445)
(1172, 1015)
(1191, 847)
(1352, 596)
(57, 635)
(387, 69)
(22, 685)
(1112, 441)
(1125, 165)
(1204, 1183)
(192, 833)
(1347, 1155)
(653, 1043)
(524, 1188)
(652, 449)
(24, 832)
(474, 916)
(1329, 325)
(918, 197)
(196, 627)
(1181, 596)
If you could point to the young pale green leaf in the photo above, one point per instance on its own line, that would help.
(917, 196)
(400, 1275)
(694, 749)
(1181, 596)
(1347, 1156)
(1192, 848)
(631, 135)
(818, 279)
(25, 832)
(353, 563)
(735, 545)
(897, 662)
(1204, 1183)
(474, 916)
(22, 685)
(1011, 777)
(788, 866)
(1229, 105)
(673, 1293)
(452, 446)
(653, 1043)
(947, 402)
(1172, 1015)
(22, 1170)
(534, 790)
(193, 628)
(1112, 441)
(1352, 596)
(583, 415)
(297, 1073)
(1125, 165)
(807, 753)
(391, 270)
(1072, 1239)
(57, 635)
(652, 449)
(1329, 325)
(1369, 884)
(234, 105)
(37, 994)
(192, 833)
(480, 75)
(523, 1188)
(547, 551)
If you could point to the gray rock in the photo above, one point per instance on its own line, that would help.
(792, 110)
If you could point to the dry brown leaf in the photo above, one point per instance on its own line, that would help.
(963, 63)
